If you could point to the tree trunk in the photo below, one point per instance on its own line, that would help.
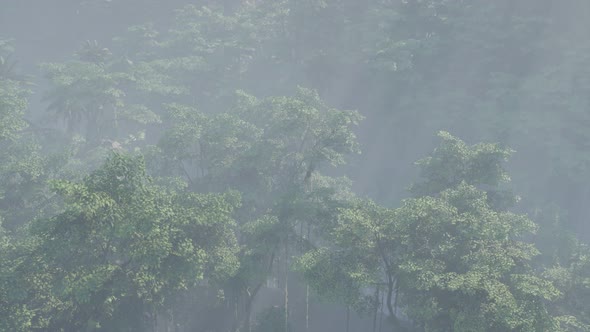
(306, 308)
(391, 287)
(389, 295)
(286, 282)
(376, 309)
(396, 298)
(381, 313)
(248, 313)
(347, 318)
(251, 296)
(307, 285)
(236, 325)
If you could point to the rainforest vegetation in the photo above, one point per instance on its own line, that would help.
(295, 165)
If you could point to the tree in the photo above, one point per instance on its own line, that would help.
(13, 102)
(202, 57)
(451, 259)
(462, 246)
(16, 315)
(92, 91)
(267, 149)
(121, 247)
(463, 267)
(572, 278)
(21, 164)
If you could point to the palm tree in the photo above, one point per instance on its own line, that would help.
(84, 91)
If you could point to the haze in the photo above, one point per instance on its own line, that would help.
(294, 165)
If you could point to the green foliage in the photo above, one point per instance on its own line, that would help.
(22, 165)
(453, 162)
(572, 278)
(126, 239)
(453, 260)
(462, 264)
(15, 316)
(263, 148)
(461, 258)
(335, 276)
(269, 149)
(12, 106)
(270, 320)
(91, 242)
(13, 97)
(92, 91)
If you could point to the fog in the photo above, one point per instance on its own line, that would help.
(303, 166)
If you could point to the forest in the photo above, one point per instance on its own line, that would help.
(295, 166)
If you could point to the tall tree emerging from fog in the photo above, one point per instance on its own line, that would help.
(451, 259)
(268, 149)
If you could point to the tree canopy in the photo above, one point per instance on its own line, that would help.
(240, 166)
